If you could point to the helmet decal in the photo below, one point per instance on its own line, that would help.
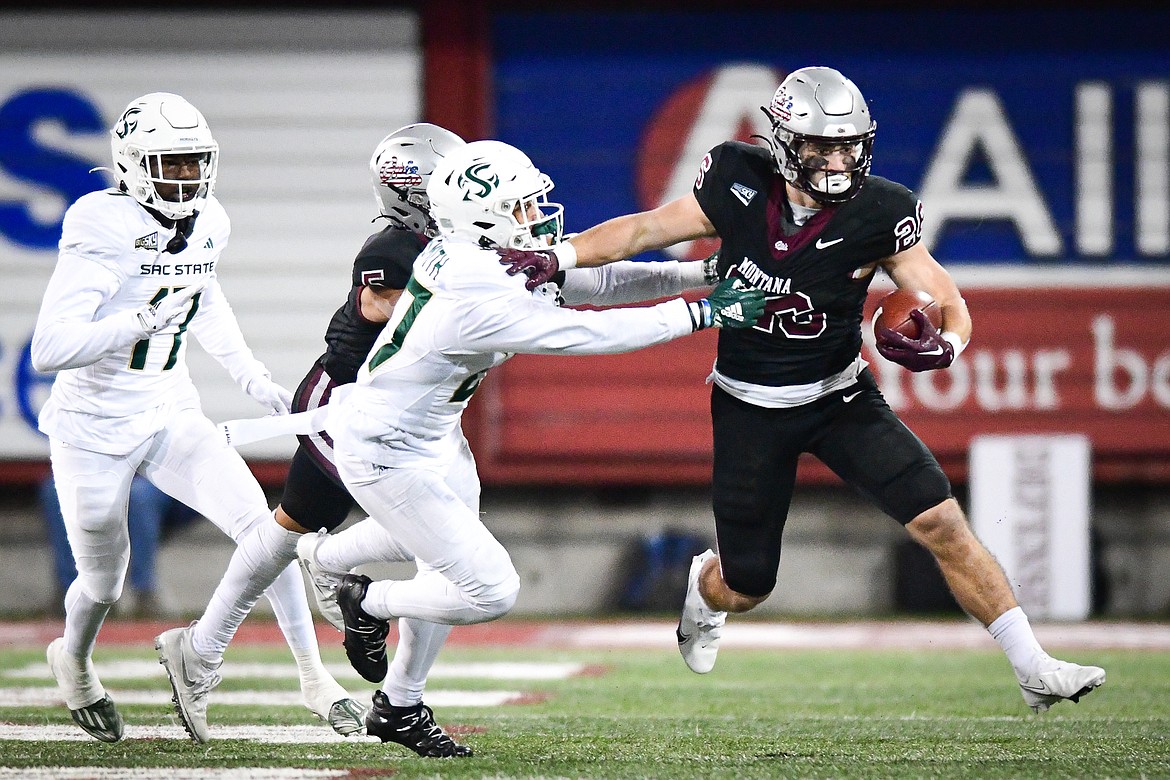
(782, 106)
(128, 123)
(393, 173)
(470, 177)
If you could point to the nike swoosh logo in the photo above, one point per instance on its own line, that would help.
(823, 244)
(936, 351)
(848, 398)
(682, 638)
(1042, 688)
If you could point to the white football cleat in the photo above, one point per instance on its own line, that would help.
(700, 627)
(192, 679)
(324, 581)
(1054, 681)
(88, 703)
(326, 699)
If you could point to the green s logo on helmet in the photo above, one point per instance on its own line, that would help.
(472, 177)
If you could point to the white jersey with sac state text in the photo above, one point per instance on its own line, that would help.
(114, 385)
(460, 315)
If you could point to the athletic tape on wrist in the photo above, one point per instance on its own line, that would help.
(955, 341)
(566, 255)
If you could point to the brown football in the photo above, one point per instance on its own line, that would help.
(893, 312)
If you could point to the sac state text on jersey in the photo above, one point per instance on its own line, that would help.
(176, 269)
(812, 326)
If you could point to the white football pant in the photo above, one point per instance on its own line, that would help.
(187, 460)
(465, 574)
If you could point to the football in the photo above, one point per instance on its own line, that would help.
(893, 312)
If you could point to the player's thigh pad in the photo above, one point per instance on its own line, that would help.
(94, 491)
(872, 450)
(756, 452)
(191, 461)
(423, 513)
(311, 497)
(463, 478)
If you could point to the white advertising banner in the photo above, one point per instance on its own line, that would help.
(1030, 504)
(296, 113)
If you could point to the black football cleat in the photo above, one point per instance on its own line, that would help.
(365, 635)
(414, 727)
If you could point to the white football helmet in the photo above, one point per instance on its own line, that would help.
(821, 108)
(490, 193)
(153, 127)
(400, 170)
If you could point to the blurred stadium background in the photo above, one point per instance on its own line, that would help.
(1039, 141)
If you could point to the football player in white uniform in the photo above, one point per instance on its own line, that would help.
(398, 444)
(314, 497)
(136, 273)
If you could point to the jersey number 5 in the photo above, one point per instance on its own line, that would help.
(142, 348)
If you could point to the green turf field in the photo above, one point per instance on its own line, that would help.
(641, 713)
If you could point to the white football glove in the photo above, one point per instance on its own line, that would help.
(157, 316)
(263, 390)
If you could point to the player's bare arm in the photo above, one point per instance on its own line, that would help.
(616, 239)
(916, 269)
(377, 303)
(679, 220)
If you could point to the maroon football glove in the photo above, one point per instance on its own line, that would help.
(538, 265)
(926, 353)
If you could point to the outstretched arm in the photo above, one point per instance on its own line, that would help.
(616, 239)
(631, 281)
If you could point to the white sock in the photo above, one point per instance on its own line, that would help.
(419, 643)
(287, 595)
(261, 556)
(363, 542)
(1014, 634)
(83, 620)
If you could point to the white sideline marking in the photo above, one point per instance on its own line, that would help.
(907, 635)
(284, 735)
(173, 773)
(146, 669)
(51, 697)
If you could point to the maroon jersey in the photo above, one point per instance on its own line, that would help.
(816, 290)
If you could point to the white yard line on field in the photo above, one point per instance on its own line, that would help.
(877, 635)
(145, 669)
(51, 697)
(285, 735)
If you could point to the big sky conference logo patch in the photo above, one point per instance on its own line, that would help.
(720, 105)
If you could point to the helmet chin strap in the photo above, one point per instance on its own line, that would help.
(183, 229)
